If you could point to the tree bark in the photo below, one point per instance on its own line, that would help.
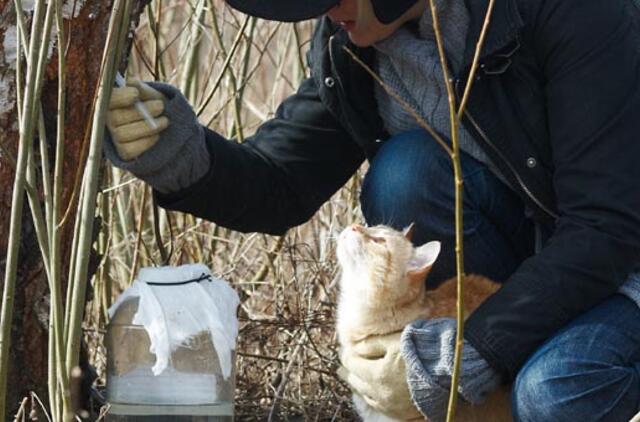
(86, 30)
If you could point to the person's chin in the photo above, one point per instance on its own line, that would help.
(361, 40)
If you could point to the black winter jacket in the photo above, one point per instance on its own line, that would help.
(556, 105)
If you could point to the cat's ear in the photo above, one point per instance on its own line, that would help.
(422, 260)
(408, 231)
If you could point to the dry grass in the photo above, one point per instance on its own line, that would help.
(287, 347)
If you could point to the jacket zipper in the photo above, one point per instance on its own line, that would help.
(513, 170)
(340, 87)
(333, 64)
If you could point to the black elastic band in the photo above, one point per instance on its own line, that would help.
(203, 277)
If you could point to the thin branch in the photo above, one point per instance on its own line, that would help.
(17, 202)
(225, 66)
(476, 59)
(136, 250)
(458, 185)
(55, 282)
(457, 168)
(118, 28)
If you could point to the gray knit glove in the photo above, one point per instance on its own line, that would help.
(180, 157)
(428, 349)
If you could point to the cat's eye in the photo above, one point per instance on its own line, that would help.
(377, 239)
(365, 233)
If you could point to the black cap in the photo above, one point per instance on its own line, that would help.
(283, 10)
(389, 10)
(297, 10)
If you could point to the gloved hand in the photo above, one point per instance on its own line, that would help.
(180, 156)
(130, 133)
(428, 349)
(375, 370)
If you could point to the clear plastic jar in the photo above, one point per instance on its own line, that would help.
(190, 388)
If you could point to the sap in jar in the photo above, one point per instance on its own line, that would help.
(171, 347)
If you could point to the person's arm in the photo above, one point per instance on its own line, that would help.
(589, 53)
(275, 180)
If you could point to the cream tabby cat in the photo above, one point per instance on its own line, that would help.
(382, 289)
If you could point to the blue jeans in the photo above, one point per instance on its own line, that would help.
(410, 180)
(589, 370)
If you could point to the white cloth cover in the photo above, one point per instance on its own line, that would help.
(173, 313)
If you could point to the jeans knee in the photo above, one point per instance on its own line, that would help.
(569, 390)
(529, 392)
(400, 177)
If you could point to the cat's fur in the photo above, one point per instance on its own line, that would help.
(382, 289)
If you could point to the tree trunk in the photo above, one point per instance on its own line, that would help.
(86, 30)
